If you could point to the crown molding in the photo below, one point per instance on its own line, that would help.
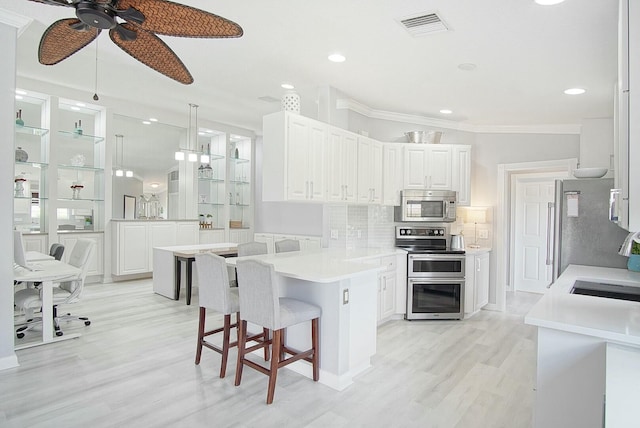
(350, 104)
(15, 20)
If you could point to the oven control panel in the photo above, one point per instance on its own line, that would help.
(420, 232)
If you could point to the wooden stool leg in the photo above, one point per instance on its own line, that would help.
(203, 314)
(283, 339)
(314, 345)
(275, 357)
(226, 332)
(265, 337)
(242, 334)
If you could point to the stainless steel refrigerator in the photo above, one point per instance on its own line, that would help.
(583, 234)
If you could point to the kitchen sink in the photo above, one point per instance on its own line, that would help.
(610, 291)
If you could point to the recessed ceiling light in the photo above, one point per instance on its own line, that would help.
(81, 104)
(19, 97)
(446, 111)
(153, 119)
(548, 2)
(336, 57)
(575, 91)
(467, 66)
(74, 108)
(154, 185)
(287, 86)
(20, 92)
(146, 122)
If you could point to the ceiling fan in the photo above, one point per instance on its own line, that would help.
(132, 25)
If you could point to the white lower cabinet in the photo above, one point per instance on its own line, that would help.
(476, 291)
(240, 236)
(133, 242)
(35, 243)
(387, 289)
(215, 236)
(96, 262)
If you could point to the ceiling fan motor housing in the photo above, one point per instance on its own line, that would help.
(96, 15)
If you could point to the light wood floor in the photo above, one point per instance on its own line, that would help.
(133, 367)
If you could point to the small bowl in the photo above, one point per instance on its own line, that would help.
(590, 172)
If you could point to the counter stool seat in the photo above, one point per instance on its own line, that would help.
(215, 293)
(262, 305)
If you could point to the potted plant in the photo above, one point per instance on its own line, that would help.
(634, 258)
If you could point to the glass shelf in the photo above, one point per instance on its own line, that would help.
(212, 157)
(215, 204)
(30, 130)
(240, 205)
(81, 200)
(212, 180)
(82, 137)
(80, 168)
(240, 182)
(33, 164)
(30, 198)
(240, 160)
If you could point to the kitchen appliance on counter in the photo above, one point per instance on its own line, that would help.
(435, 273)
(417, 205)
(582, 232)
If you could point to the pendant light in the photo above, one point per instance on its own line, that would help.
(190, 153)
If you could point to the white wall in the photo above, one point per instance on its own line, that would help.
(8, 37)
(596, 144)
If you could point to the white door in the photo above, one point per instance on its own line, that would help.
(531, 273)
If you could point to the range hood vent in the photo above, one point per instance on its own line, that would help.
(423, 24)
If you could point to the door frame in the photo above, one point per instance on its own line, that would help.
(503, 265)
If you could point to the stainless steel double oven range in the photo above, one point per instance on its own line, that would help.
(435, 273)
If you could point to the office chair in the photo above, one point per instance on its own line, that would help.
(66, 292)
(56, 251)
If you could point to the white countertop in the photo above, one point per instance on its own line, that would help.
(474, 251)
(327, 264)
(610, 319)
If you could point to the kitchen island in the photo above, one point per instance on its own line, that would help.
(588, 348)
(344, 283)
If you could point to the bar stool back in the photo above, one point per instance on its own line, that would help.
(262, 305)
(215, 293)
(287, 245)
(252, 249)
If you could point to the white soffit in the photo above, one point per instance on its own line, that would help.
(364, 110)
(16, 20)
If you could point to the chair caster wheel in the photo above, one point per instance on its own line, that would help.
(87, 323)
(20, 335)
(59, 333)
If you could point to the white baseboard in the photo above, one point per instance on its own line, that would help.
(9, 362)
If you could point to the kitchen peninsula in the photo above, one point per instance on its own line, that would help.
(588, 349)
(344, 283)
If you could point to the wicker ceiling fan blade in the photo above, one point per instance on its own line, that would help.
(150, 50)
(61, 40)
(173, 19)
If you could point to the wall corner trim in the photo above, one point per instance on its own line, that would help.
(16, 20)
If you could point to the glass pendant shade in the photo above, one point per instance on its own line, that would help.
(129, 173)
(193, 157)
(119, 173)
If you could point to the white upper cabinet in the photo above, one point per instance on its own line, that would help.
(342, 165)
(427, 166)
(391, 174)
(461, 174)
(293, 158)
(369, 171)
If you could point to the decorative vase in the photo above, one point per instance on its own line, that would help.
(21, 155)
(291, 102)
(634, 262)
(19, 121)
(78, 128)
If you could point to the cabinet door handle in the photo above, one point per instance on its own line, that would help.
(306, 190)
(384, 283)
(550, 210)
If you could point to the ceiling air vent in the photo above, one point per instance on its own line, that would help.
(423, 24)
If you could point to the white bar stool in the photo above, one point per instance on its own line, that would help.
(262, 305)
(287, 245)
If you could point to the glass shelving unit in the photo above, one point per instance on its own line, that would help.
(211, 181)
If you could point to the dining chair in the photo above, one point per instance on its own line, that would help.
(287, 245)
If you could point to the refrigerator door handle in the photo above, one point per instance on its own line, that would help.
(550, 209)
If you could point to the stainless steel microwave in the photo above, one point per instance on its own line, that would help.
(426, 206)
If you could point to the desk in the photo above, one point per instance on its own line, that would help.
(167, 270)
(52, 270)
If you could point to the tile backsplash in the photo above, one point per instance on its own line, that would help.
(358, 226)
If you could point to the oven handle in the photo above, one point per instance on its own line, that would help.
(411, 281)
(436, 257)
